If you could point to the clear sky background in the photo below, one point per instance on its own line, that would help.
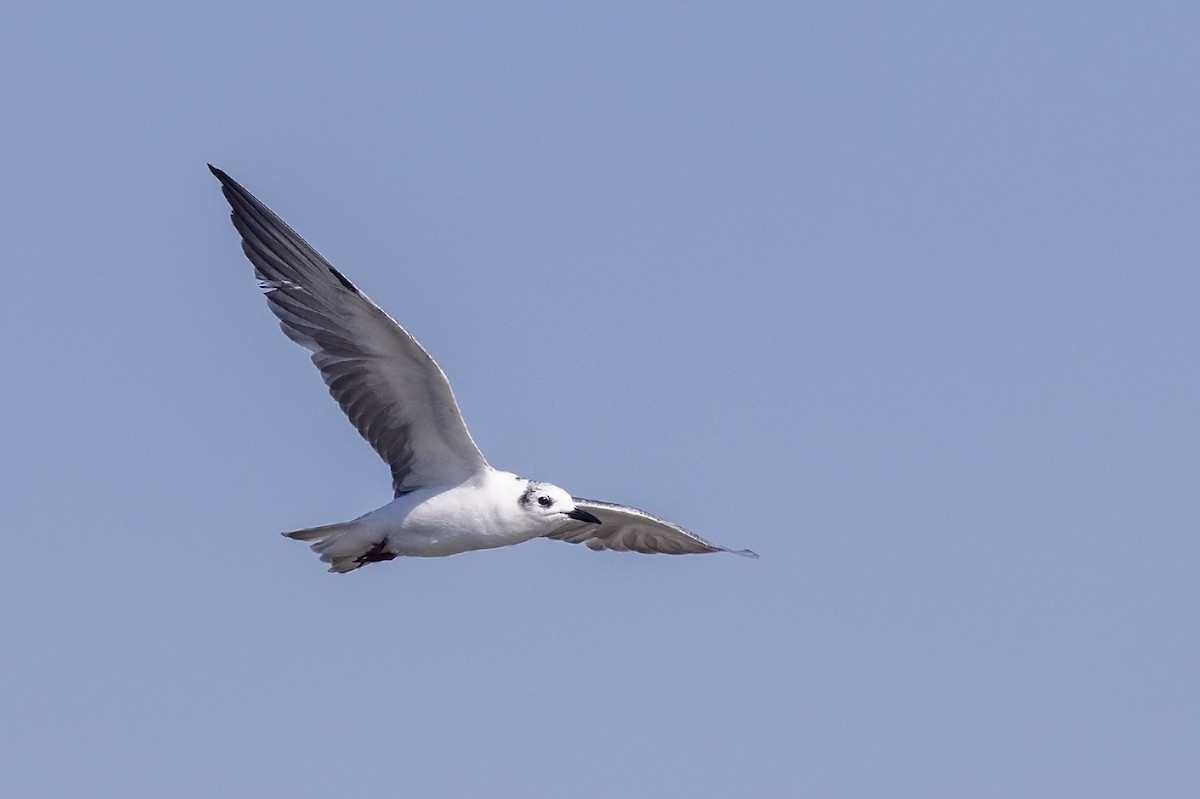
(902, 296)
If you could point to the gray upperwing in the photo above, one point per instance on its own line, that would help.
(623, 528)
(394, 393)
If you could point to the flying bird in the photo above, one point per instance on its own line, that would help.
(448, 499)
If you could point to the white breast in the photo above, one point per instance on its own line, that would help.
(475, 515)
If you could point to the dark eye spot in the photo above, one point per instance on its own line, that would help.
(545, 502)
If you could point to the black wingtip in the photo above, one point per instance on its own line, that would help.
(244, 203)
(342, 279)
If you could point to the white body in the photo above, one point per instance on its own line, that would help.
(480, 513)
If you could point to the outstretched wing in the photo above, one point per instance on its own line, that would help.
(393, 392)
(628, 529)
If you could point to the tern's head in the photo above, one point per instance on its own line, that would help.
(549, 505)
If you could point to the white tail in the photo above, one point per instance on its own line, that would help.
(344, 546)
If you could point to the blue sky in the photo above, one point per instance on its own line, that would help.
(902, 298)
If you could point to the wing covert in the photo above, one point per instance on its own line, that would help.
(623, 528)
(393, 392)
